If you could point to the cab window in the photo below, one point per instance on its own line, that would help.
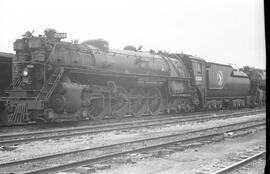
(198, 68)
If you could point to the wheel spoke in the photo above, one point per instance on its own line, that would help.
(119, 103)
(154, 101)
(137, 102)
(96, 107)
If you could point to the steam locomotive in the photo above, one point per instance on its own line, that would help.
(54, 80)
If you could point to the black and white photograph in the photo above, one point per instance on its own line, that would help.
(133, 87)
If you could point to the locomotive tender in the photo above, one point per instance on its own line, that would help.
(56, 80)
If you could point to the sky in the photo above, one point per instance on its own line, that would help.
(221, 31)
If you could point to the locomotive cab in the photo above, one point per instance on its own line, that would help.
(197, 70)
(199, 80)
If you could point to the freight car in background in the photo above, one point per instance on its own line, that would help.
(5, 76)
(56, 80)
(5, 71)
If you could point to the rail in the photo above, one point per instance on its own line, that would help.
(183, 137)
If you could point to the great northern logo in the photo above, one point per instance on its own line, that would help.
(220, 78)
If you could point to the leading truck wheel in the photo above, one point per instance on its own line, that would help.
(154, 101)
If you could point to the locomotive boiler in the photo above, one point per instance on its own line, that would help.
(57, 80)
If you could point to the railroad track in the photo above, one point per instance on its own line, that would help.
(72, 159)
(246, 158)
(112, 119)
(64, 125)
(92, 129)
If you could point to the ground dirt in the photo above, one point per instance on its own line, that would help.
(198, 160)
(46, 147)
(183, 162)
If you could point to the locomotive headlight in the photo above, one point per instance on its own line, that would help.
(25, 72)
